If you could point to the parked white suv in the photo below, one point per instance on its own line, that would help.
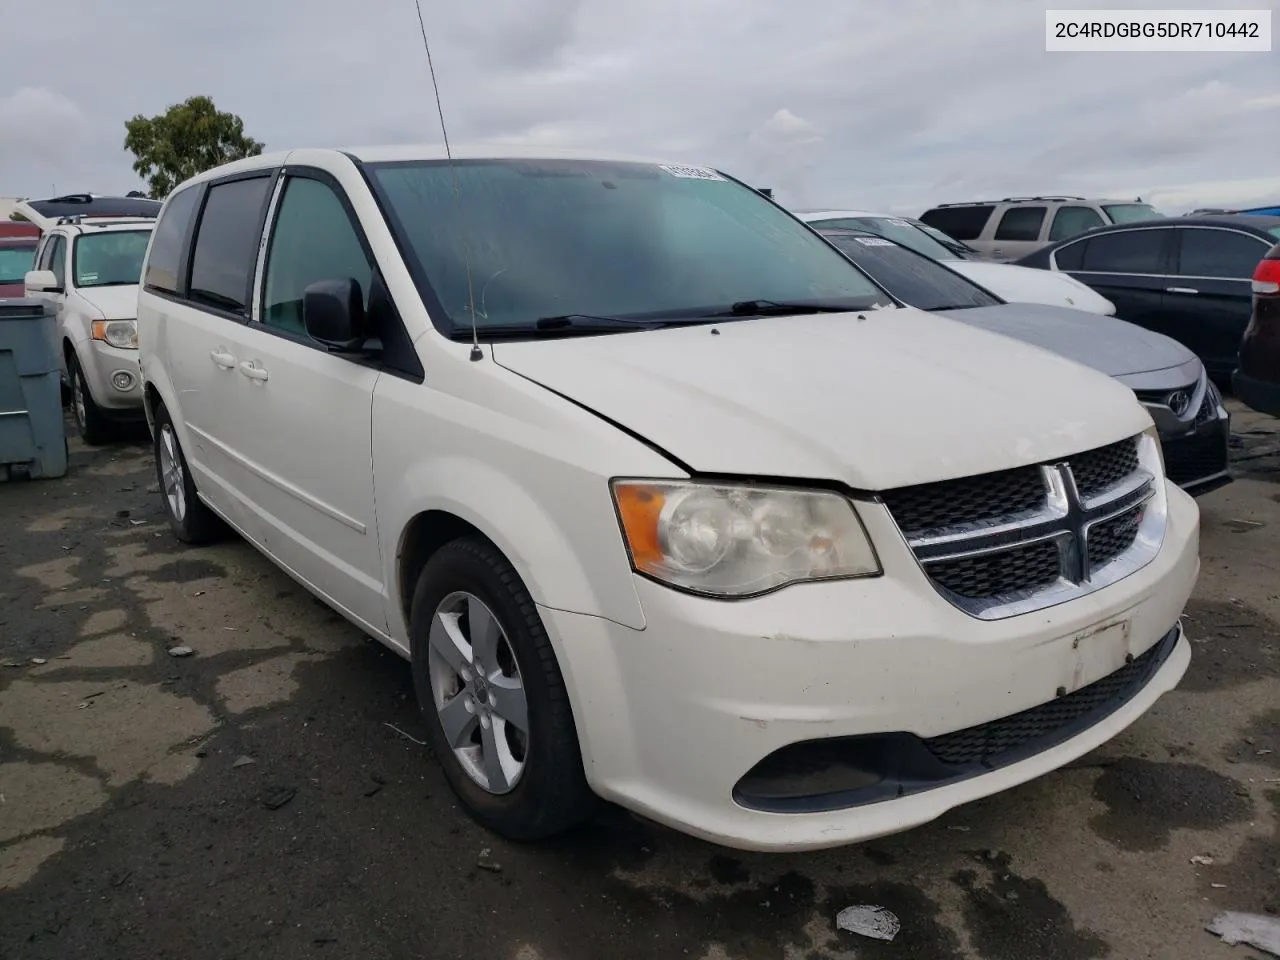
(88, 270)
(664, 500)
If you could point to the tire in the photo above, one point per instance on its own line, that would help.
(549, 794)
(189, 519)
(91, 423)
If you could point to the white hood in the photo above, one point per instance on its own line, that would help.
(1029, 285)
(900, 397)
(114, 302)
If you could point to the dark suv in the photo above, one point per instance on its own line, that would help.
(1256, 380)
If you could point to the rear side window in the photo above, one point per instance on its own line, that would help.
(164, 261)
(226, 247)
(1021, 223)
(1073, 221)
(963, 223)
(1219, 253)
(1071, 257)
(1128, 251)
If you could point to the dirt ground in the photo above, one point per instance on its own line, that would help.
(267, 797)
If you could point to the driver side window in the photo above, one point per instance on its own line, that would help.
(313, 239)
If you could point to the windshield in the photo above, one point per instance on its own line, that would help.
(913, 278)
(15, 261)
(110, 259)
(959, 249)
(900, 231)
(554, 238)
(1131, 212)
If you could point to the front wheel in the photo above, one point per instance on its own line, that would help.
(191, 521)
(91, 423)
(489, 686)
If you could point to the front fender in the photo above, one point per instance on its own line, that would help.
(565, 544)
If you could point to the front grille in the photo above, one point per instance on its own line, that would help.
(997, 574)
(1187, 459)
(986, 498)
(1110, 538)
(985, 743)
(1097, 470)
(1209, 407)
(1003, 543)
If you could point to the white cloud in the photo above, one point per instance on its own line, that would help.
(876, 105)
(40, 127)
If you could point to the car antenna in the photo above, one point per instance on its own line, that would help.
(476, 354)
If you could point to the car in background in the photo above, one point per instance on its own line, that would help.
(88, 270)
(47, 213)
(18, 243)
(1167, 378)
(1016, 284)
(1015, 226)
(1256, 380)
(1186, 277)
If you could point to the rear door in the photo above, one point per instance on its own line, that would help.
(1017, 232)
(1209, 295)
(206, 319)
(1128, 267)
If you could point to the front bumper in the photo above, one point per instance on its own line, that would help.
(673, 717)
(1199, 460)
(101, 362)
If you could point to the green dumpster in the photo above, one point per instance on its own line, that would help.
(33, 440)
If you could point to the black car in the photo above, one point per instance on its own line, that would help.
(1188, 277)
(1167, 378)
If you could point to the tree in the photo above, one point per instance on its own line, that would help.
(187, 139)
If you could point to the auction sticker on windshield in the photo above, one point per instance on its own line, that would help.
(874, 241)
(897, 223)
(690, 173)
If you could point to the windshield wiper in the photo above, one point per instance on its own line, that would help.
(581, 321)
(781, 308)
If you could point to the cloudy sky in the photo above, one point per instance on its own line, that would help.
(887, 104)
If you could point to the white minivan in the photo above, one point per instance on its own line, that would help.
(665, 501)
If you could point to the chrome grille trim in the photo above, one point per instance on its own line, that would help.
(1065, 519)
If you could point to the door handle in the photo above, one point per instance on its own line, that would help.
(252, 370)
(223, 359)
(1181, 290)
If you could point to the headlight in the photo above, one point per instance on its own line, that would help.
(735, 541)
(118, 333)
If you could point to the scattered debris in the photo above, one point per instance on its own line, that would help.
(486, 863)
(1243, 526)
(1263, 753)
(323, 938)
(407, 736)
(122, 514)
(1202, 861)
(865, 920)
(10, 663)
(959, 829)
(1218, 886)
(1251, 929)
(180, 651)
(120, 879)
(276, 797)
(38, 660)
(242, 762)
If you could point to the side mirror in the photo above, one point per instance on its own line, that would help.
(333, 313)
(41, 281)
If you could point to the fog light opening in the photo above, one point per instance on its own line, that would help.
(122, 380)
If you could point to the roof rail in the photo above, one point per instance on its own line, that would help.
(1049, 197)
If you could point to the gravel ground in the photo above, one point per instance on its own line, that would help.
(267, 797)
